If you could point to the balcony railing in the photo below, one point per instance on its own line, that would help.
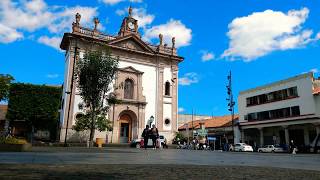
(92, 33)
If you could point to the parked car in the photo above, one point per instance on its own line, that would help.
(243, 147)
(135, 143)
(139, 143)
(271, 148)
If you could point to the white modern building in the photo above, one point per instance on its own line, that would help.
(146, 82)
(279, 112)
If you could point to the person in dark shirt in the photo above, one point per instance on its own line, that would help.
(145, 135)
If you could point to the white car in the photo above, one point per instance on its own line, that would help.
(271, 148)
(243, 147)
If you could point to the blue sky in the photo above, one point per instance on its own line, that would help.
(260, 41)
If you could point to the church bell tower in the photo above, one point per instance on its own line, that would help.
(129, 25)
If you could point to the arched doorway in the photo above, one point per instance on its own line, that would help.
(125, 124)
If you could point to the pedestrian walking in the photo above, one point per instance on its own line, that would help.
(194, 143)
(292, 147)
(145, 135)
(154, 136)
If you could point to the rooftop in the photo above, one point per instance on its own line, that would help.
(214, 122)
(301, 76)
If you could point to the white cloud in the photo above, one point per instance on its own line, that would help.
(121, 12)
(8, 35)
(25, 15)
(188, 79)
(52, 76)
(181, 109)
(19, 17)
(52, 42)
(143, 18)
(261, 33)
(35, 5)
(112, 2)
(317, 36)
(314, 70)
(173, 28)
(207, 56)
(136, 1)
(63, 20)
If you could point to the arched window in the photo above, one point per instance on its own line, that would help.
(128, 89)
(167, 89)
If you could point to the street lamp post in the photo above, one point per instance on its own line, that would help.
(231, 103)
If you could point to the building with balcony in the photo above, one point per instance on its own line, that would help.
(279, 112)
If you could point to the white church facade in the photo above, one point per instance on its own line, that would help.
(146, 82)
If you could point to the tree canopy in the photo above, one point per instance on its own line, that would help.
(93, 74)
(38, 105)
(5, 81)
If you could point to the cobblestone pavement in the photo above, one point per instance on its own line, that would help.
(76, 155)
(130, 163)
(154, 172)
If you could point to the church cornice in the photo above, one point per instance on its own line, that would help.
(67, 37)
(128, 39)
(130, 69)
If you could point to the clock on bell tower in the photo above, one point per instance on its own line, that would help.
(129, 25)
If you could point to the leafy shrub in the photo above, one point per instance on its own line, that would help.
(12, 140)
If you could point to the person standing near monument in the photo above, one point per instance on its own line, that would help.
(154, 135)
(145, 135)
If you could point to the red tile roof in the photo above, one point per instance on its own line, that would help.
(215, 122)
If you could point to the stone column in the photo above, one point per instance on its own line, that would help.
(261, 137)
(242, 136)
(286, 134)
(174, 106)
(159, 120)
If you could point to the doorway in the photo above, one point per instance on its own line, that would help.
(125, 128)
(124, 133)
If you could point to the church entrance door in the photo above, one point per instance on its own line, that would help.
(125, 128)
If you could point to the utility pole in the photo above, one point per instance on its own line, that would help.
(192, 124)
(231, 103)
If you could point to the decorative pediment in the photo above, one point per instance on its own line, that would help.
(131, 42)
(130, 69)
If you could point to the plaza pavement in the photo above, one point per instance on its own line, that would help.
(81, 155)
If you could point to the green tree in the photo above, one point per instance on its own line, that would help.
(5, 81)
(179, 137)
(38, 105)
(93, 74)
